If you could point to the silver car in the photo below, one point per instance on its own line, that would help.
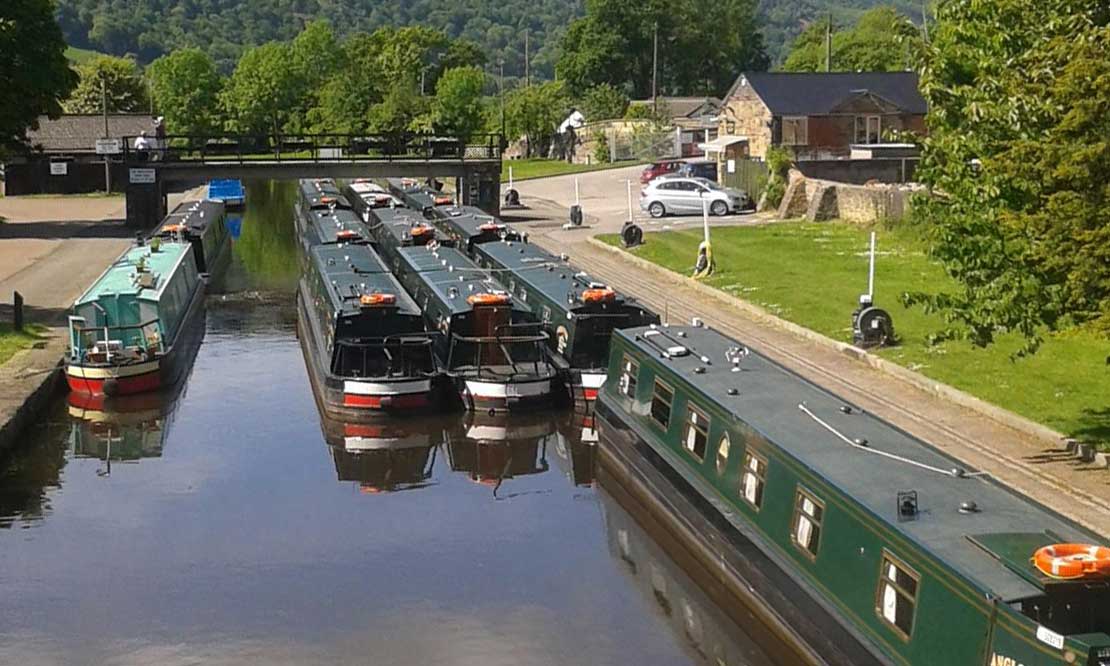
(684, 196)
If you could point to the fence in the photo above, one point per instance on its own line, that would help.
(748, 174)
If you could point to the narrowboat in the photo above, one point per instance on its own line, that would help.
(491, 449)
(323, 217)
(470, 227)
(204, 224)
(364, 339)
(381, 457)
(921, 559)
(135, 329)
(578, 312)
(365, 196)
(576, 447)
(394, 228)
(419, 196)
(490, 346)
(228, 191)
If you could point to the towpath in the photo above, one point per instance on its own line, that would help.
(1034, 465)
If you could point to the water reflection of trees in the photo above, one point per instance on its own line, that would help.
(267, 244)
(29, 472)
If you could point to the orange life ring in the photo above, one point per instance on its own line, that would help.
(327, 200)
(598, 295)
(491, 226)
(488, 299)
(420, 230)
(377, 299)
(1072, 560)
(347, 234)
(443, 201)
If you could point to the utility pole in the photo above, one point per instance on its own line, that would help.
(828, 43)
(104, 111)
(925, 20)
(527, 62)
(655, 69)
(501, 94)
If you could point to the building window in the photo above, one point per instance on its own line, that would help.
(753, 479)
(661, 404)
(795, 131)
(806, 529)
(696, 435)
(730, 126)
(897, 595)
(869, 129)
(722, 453)
(629, 371)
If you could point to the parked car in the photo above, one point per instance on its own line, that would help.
(660, 168)
(699, 169)
(683, 196)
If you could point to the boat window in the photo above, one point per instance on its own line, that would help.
(661, 404)
(806, 530)
(546, 314)
(753, 479)
(523, 295)
(695, 437)
(722, 453)
(630, 370)
(897, 595)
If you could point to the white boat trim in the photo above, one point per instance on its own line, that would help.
(382, 389)
(508, 390)
(111, 372)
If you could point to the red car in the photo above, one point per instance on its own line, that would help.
(659, 168)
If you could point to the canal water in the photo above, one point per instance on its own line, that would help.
(227, 523)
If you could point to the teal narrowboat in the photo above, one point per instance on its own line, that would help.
(924, 561)
(136, 328)
(204, 224)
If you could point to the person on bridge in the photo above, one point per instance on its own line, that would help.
(143, 145)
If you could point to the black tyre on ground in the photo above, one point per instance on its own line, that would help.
(719, 208)
(656, 209)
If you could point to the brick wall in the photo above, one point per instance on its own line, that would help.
(750, 118)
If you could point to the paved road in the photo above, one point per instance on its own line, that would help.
(1034, 466)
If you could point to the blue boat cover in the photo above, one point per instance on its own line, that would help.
(226, 188)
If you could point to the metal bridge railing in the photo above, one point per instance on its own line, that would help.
(246, 148)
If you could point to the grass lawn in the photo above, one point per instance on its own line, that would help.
(12, 341)
(812, 275)
(539, 168)
(79, 56)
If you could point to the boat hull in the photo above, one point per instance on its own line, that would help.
(496, 396)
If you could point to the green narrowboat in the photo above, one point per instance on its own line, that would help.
(136, 328)
(576, 446)
(204, 224)
(926, 562)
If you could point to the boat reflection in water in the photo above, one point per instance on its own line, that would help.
(382, 457)
(123, 429)
(492, 448)
(576, 446)
(709, 634)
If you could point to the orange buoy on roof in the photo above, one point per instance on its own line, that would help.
(1072, 560)
(598, 295)
(420, 230)
(347, 234)
(488, 299)
(491, 226)
(377, 299)
(443, 200)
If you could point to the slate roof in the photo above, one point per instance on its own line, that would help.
(75, 133)
(817, 93)
(684, 107)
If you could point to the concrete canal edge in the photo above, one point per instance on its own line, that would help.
(949, 393)
(29, 381)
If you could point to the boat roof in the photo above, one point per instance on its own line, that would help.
(352, 271)
(196, 216)
(768, 398)
(397, 222)
(329, 224)
(470, 221)
(361, 187)
(418, 195)
(550, 275)
(225, 188)
(121, 277)
(452, 276)
(322, 193)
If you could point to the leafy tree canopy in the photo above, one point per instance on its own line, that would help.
(186, 89)
(457, 109)
(35, 75)
(882, 40)
(534, 112)
(1018, 157)
(119, 77)
(265, 90)
(603, 102)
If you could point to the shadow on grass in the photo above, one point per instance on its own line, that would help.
(1094, 427)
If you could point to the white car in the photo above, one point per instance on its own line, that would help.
(684, 196)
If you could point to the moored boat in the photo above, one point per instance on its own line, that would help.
(204, 224)
(229, 191)
(323, 216)
(366, 196)
(922, 560)
(491, 345)
(364, 339)
(419, 196)
(382, 457)
(394, 228)
(491, 449)
(133, 329)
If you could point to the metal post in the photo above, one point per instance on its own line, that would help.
(501, 94)
(577, 199)
(871, 271)
(17, 316)
(828, 43)
(510, 178)
(104, 110)
(655, 69)
(527, 62)
(630, 201)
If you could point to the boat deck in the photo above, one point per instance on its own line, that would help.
(352, 271)
(452, 277)
(769, 398)
(195, 216)
(119, 278)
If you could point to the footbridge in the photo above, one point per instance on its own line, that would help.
(474, 163)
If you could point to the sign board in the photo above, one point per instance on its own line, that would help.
(109, 146)
(732, 166)
(59, 168)
(143, 176)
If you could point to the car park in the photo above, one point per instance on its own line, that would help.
(660, 168)
(685, 196)
(699, 169)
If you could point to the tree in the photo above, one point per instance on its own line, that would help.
(264, 92)
(534, 112)
(457, 109)
(119, 76)
(402, 109)
(35, 76)
(603, 102)
(1018, 159)
(186, 89)
(882, 40)
(344, 100)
